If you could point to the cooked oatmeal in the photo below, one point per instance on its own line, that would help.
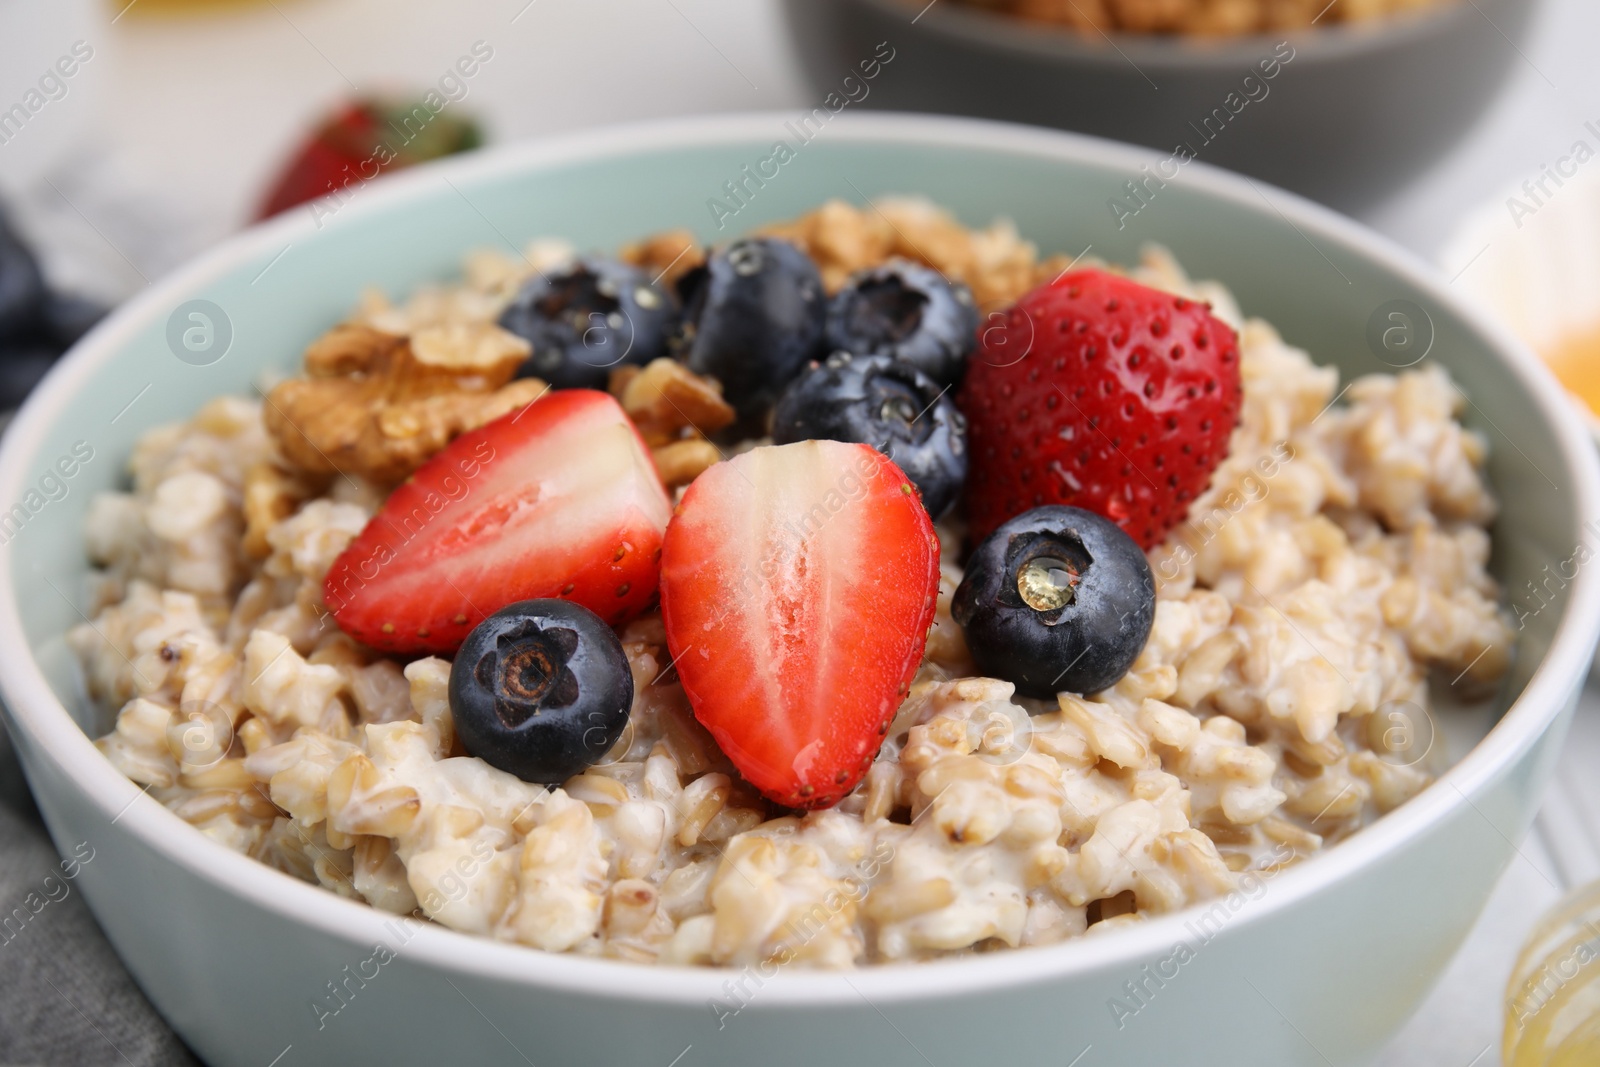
(1338, 556)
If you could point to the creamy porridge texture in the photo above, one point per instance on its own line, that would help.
(1339, 554)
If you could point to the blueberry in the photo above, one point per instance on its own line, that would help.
(752, 317)
(63, 319)
(1056, 600)
(586, 319)
(907, 311)
(541, 689)
(22, 365)
(22, 288)
(889, 405)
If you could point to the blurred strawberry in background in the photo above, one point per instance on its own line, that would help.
(364, 139)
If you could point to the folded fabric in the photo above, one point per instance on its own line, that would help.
(65, 998)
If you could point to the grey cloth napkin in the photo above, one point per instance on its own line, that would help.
(65, 999)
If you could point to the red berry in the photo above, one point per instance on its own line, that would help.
(360, 140)
(559, 499)
(1099, 393)
(798, 583)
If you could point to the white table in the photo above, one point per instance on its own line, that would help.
(194, 113)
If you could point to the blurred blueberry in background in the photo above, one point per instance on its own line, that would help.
(37, 324)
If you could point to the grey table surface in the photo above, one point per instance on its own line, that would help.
(186, 122)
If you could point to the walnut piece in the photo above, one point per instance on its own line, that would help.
(666, 257)
(378, 405)
(997, 264)
(681, 462)
(667, 401)
(271, 494)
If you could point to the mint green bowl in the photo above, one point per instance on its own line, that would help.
(1320, 969)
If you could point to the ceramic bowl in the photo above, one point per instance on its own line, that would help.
(1343, 113)
(1317, 968)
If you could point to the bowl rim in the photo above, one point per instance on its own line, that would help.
(47, 730)
(1330, 43)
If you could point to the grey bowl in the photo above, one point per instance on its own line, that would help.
(1356, 111)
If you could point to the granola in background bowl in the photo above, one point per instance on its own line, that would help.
(1201, 18)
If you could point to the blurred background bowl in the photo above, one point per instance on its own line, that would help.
(1361, 107)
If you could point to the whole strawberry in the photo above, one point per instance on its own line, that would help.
(1099, 393)
(361, 140)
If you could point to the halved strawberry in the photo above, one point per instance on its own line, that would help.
(797, 586)
(558, 499)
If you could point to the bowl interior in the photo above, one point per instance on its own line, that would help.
(284, 284)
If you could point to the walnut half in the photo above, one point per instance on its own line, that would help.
(379, 405)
